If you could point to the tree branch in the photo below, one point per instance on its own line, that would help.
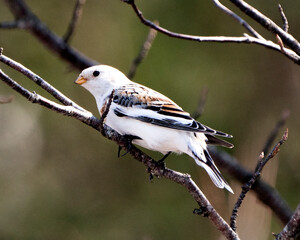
(25, 19)
(201, 103)
(283, 118)
(293, 55)
(238, 19)
(56, 44)
(292, 229)
(246, 188)
(285, 26)
(39, 81)
(267, 23)
(75, 18)
(87, 118)
(143, 53)
(267, 194)
(264, 192)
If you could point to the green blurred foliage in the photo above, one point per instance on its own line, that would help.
(60, 179)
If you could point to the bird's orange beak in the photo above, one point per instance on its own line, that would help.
(80, 80)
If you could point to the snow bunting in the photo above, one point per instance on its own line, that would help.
(152, 120)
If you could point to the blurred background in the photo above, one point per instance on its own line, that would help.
(60, 179)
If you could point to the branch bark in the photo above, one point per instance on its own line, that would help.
(292, 230)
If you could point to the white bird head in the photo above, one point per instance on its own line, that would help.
(100, 80)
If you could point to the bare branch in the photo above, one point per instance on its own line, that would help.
(87, 118)
(183, 36)
(283, 118)
(56, 44)
(292, 229)
(75, 18)
(39, 81)
(267, 23)
(246, 188)
(285, 26)
(238, 18)
(264, 192)
(221, 39)
(201, 103)
(143, 52)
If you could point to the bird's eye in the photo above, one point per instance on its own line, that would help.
(96, 73)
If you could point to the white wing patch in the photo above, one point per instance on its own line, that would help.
(146, 105)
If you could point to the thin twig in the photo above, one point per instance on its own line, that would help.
(201, 103)
(143, 52)
(246, 187)
(55, 43)
(238, 18)
(87, 118)
(267, 194)
(268, 24)
(285, 26)
(283, 118)
(292, 229)
(74, 21)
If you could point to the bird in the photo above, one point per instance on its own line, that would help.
(151, 120)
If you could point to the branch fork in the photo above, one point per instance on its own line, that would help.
(255, 38)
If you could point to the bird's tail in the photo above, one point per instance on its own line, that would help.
(208, 164)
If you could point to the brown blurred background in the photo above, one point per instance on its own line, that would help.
(60, 179)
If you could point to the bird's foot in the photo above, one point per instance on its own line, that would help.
(128, 148)
(161, 163)
(129, 139)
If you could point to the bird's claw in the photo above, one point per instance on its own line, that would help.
(161, 164)
(128, 148)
